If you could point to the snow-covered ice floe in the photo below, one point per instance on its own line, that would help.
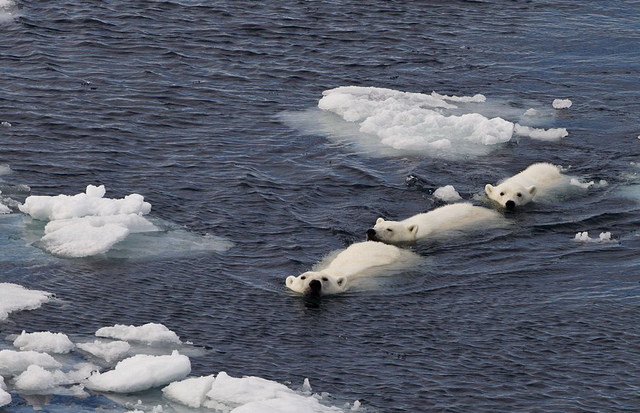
(141, 376)
(14, 297)
(392, 122)
(88, 224)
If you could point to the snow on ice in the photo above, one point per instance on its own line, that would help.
(15, 297)
(150, 333)
(44, 341)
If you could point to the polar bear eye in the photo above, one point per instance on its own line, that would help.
(325, 279)
(304, 277)
(389, 229)
(501, 193)
(519, 195)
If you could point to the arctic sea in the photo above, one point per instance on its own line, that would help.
(210, 111)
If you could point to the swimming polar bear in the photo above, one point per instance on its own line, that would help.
(338, 273)
(525, 186)
(446, 218)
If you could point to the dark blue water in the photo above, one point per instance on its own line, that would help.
(181, 101)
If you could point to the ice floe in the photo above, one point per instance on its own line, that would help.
(150, 333)
(15, 297)
(561, 103)
(391, 122)
(141, 372)
(89, 224)
(44, 341)
(108, 351)
(447, 193)
(14, 362)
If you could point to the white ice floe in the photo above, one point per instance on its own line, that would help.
(584, 237)
(246, 394)
(15, 297)
(191, 392)
(561, 103)
(5, 398)
(89, 203)
(44, 341)
(109, 351)
(150, 333)
(15, 362)
(141, 372)
(37, 380)
(553, 134)
(447, 193)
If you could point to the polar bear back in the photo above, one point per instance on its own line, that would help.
(450, 218)
(361, 257)
(540, 175)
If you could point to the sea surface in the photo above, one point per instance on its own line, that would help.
(188, 103)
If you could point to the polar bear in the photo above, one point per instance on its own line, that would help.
(446, 218)
(338, 273)
(525, 186)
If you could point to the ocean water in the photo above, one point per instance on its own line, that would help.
(210, 110)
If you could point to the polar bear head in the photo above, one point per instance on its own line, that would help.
(510, 195)
(316, 284)
(392, 232)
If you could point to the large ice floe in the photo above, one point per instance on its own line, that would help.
(138, 376)
(14, 297)
(88, 224)
(392, 122)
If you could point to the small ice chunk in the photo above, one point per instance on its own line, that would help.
(553, 134)
(5, 124)
(584, 237)
(36, 380)
(561, 103)
(141, 372)
(477, 98)
(44, 341)
(109, 351)
(232, 390)
(150, 333)
(447, 193)
(191, 392)
(15, 362)
(14, 297)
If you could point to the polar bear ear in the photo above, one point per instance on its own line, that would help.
(488, 188)
(341, 281)
(379, 220)
(413, 229)
(532, 190)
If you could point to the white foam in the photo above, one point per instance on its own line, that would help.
(15, 297)
(109, 351)
(44, 341)
(584, 237)
(15, 362)
(447, 193)
(150, 333)
(561, 103)
(141, 372)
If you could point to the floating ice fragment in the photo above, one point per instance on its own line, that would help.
(15, 362)
(84, 204)
(4, 124)
(477, 98)
(141, 372)
(111, 351)
(447, 193)
(553, 134)
(584, 237)
(191, 392)
(15, 297)
(561, 103)
(44, 341)
(5, 398)
(150, 333)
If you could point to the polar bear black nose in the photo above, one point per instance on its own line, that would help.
(371, 235)
(315, 286)
(510, 205)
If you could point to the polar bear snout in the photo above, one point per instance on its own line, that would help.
(315, 288)
(372, 235)
(510, 205)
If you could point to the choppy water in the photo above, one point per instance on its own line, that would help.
(183, 102)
